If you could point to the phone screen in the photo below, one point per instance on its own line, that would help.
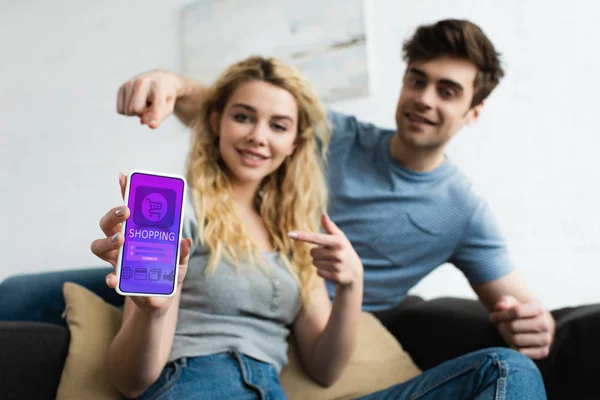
(149, 258)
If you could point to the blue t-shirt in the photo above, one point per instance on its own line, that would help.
(404, 224)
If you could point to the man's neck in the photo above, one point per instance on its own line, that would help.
(418, 160)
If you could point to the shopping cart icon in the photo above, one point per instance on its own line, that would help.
(154, 206)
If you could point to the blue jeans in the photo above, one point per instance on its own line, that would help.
(218, 376)
(496, 373)
(39, 297)
(490, 374)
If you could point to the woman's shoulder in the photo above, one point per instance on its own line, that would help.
(190, 225)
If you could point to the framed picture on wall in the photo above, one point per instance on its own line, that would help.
(324, 39)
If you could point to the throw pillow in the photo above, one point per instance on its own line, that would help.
(378, 361)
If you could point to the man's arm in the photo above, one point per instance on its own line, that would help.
(482, 256)
(189, 100)
(509, 285)
(522, 320)
(154, 95)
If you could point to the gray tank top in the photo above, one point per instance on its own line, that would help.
(246, 309)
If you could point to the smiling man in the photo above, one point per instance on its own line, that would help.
(408, 209)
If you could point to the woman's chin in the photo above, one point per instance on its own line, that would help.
(248, 177)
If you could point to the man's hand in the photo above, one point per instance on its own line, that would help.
(150, 96)
(334, 257)
(526, 327)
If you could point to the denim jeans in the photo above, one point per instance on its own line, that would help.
(490, 374)
(495, 373)
(218, 376)
(39, 297)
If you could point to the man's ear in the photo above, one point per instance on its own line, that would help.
(473, 114)
(215, 118)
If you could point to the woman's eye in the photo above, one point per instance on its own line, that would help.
(281, 128)
(241, 117)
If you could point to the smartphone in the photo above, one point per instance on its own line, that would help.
(148, 260)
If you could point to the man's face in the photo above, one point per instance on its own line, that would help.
(435, 102)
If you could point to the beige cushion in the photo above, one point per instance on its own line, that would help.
(92, 323)
(377, 363)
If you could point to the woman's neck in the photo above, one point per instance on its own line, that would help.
(244, 204)
(244, 196)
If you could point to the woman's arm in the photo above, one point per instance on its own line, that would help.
(326, 333)
(140, 350)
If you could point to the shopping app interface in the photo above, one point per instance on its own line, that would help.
(151, 234)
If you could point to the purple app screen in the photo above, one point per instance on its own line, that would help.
(151, 234)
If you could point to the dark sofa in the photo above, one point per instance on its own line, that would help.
(32, 354)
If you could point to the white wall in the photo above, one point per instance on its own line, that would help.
(532, 154)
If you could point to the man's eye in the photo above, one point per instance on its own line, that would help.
(416, 82)
(448, 93)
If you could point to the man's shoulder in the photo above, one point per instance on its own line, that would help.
(349, 130)
(461, 189)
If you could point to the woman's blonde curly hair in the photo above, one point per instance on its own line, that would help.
(291, 198)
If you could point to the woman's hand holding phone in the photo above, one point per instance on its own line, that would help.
(108, 249)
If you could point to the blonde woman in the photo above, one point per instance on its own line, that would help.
(248, 276)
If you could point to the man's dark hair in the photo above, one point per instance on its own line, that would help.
(458, 39)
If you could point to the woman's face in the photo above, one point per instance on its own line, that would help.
(257, 130)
